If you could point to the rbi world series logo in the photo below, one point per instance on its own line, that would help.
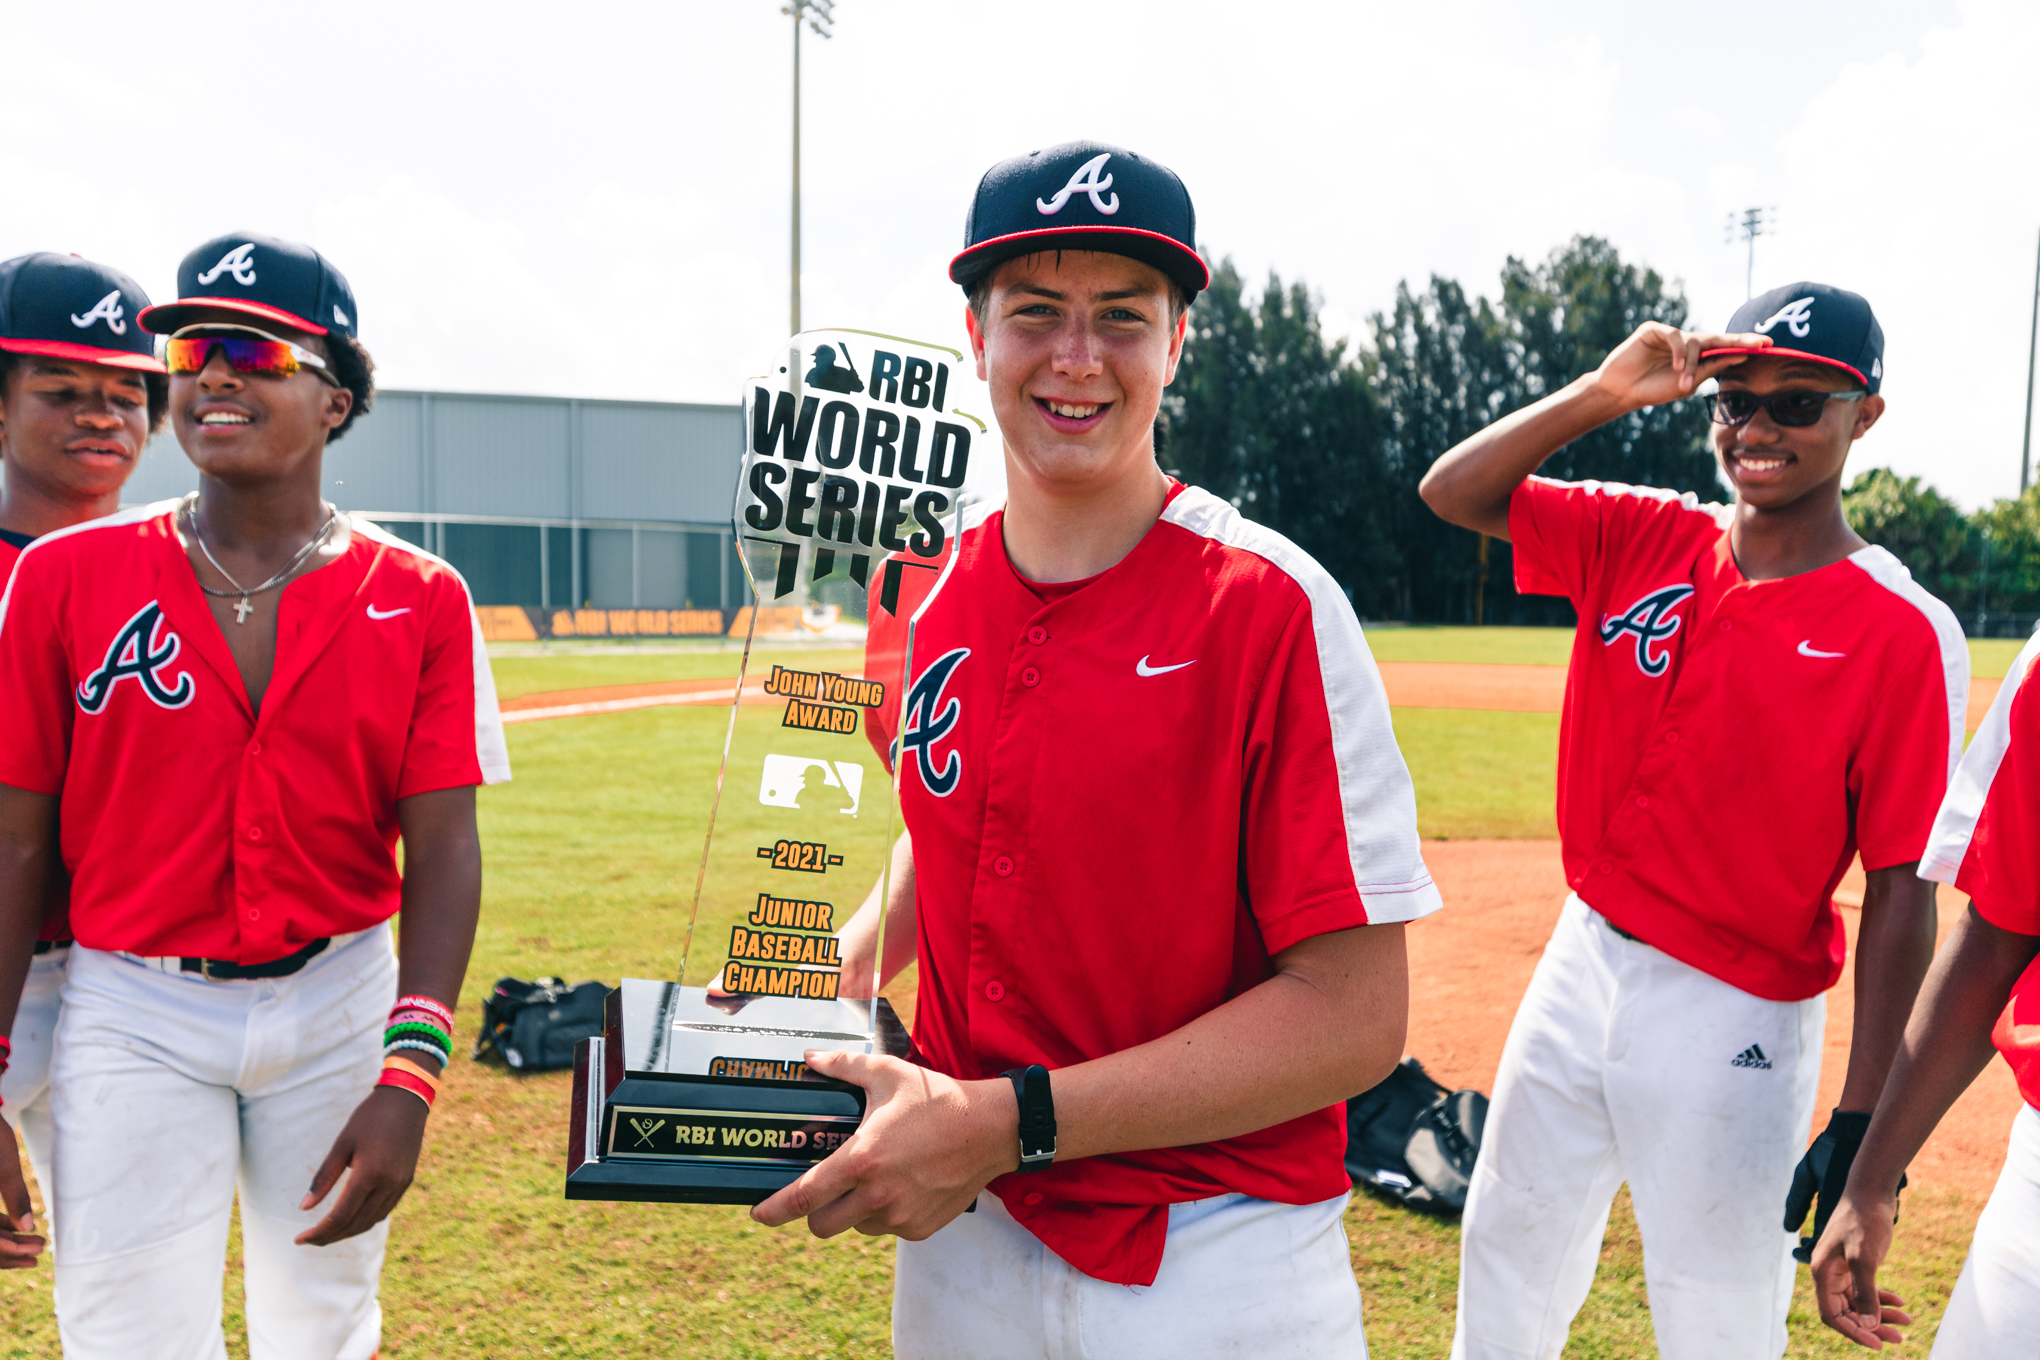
(1652, 621)
(142, 649)
(1084, 181)
(240, 262)
(922, 725)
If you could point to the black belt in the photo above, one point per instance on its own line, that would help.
(224, 970)
(1623, 933)
(45, 946)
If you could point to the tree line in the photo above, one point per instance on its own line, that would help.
(1326, 443)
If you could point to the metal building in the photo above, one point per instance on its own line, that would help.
(544, 502)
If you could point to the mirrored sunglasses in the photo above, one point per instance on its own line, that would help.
(247, 349)
(1794, 408)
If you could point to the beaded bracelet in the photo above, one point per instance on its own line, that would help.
(421, 1045)
(414, 1029)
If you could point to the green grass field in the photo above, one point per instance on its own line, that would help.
(591, 853)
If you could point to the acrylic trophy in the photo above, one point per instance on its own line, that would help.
(853, 466)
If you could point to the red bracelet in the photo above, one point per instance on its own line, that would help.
(426, 1004)
(392, 1076)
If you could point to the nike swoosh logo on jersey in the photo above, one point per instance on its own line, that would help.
(1806, 648)
(379, 614)
(1141, 667)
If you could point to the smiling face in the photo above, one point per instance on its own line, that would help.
(254, 427)
(72, 430)
(1772, 466)
(1076, 347)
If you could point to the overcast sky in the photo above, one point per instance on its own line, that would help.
(592, 200)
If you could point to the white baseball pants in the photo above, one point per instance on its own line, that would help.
(1239, 1277)
(25, 1086)
(1625, 1064)
(1994, 1313)
(170, 1093)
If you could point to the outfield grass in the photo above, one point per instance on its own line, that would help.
(584, 667)
(1480, 646)
(1992, 657)
(590, 860)
(1480, 773)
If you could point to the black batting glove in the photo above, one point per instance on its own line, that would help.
(1824, 1172)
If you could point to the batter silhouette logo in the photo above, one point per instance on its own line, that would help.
(925, 720)
(1651, 620)
(240, 262)
(107, 309)
(1085, 181)
(141, 651)
(1797, 316)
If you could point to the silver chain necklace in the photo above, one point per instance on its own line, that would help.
(244, 609)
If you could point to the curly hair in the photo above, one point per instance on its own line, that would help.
(158, 385)
(355, 370)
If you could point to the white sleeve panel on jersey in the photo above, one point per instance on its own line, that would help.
(1948, 845)
(1887, 571)
(1377, 799)
(492, 750)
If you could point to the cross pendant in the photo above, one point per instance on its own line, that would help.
(243, 610)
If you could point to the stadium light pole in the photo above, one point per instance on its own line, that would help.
(2032, 353)
(820, 16)
(1754, 222)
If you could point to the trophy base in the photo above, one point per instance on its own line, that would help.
(691, 1099)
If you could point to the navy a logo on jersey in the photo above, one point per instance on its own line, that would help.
(142, 652)
(925, 720)
(1652, 621)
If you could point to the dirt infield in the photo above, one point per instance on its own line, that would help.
(1470, 964)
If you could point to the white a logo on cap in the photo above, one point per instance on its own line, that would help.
(107, 309)
(240, 262)
(1795, 315)
(340, 316)
(1086, 179)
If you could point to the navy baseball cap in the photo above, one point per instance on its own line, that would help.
(262, 277)
(1081, 196)
(70, 308)
(1815, 321)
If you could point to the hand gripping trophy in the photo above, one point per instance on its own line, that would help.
(853, 463)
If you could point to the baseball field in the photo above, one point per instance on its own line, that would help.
(590, 854)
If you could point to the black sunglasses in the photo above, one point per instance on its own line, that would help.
(1793, 408)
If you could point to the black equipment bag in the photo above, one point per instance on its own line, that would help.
(535, 1025)
(1411, 1139)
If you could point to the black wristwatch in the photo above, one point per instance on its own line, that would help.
(1037, 1116)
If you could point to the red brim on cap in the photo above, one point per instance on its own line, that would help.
(1165, 253)
(168, 316)
(1776, 353)
(86, 354)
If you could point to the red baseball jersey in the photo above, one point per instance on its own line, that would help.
(191, 825)
(56, 917)
(1125, 797)
(1984, 844)
(1729, 745)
